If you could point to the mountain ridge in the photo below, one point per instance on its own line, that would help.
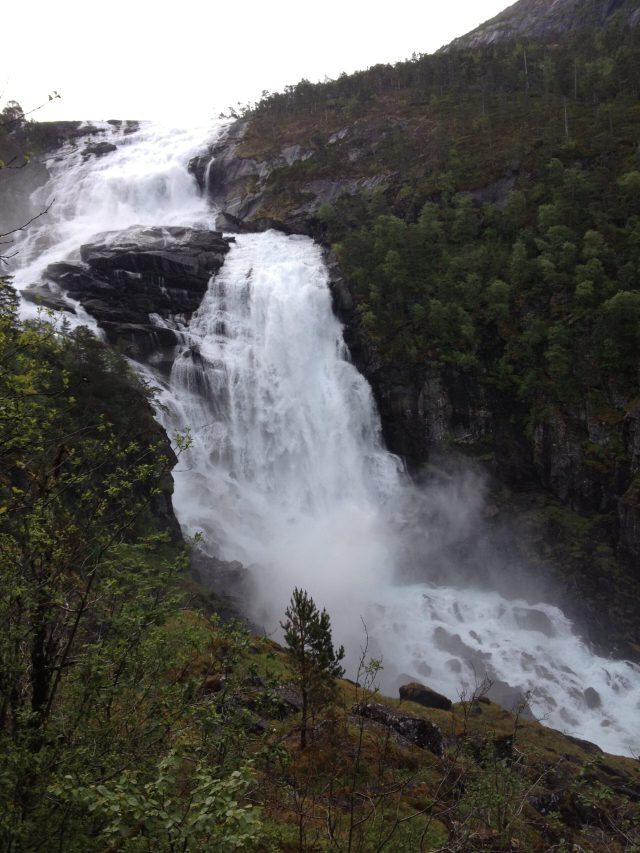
(539, 19)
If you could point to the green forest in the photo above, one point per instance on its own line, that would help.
(536, 290)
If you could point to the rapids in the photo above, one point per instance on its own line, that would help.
(287, 471)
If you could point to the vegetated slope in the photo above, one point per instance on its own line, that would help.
(131, 720)
(544, 19)
(485, 216)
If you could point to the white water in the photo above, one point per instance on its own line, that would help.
(144, 182)
(287, 472)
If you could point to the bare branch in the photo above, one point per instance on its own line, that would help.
(18, 119)
(29, 222)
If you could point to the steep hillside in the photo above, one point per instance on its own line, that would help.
(546, 19)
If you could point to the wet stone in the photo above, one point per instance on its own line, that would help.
(530, 619)
(592, 698)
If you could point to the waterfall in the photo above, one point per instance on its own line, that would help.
(287, 470)
(287, 473)
(144, 181)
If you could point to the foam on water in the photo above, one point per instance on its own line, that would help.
(452, 638)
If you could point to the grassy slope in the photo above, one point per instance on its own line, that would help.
(504, 783)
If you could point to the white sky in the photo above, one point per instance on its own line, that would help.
(148, 59)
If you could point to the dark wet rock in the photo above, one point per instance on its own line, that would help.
(184, 254)
(229, 223)
(531, 619)
(511, 698)
(454, 644)
(47, 297)
(629, 516)
(230, 581)
(98, 149)
(422, 733)
(561, 466)
(591, 748)
(592, 698)
(127, 126)
(416, 692)
(128, 276)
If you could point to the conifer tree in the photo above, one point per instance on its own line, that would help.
(307, 633)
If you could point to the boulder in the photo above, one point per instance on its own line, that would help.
(43, 295)
(422, 733)
(532, 619)
(135, 282)
(416, 692)
(592, 698)
(98, 149)
(586, 745)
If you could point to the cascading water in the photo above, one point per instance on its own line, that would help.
(286, 469)
(287, 472)
(144, 181)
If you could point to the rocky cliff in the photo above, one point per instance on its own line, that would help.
(139, 284)
(548, 19)
(282, 187)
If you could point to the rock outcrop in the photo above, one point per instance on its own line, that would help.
(137, 283)
(422, 733)
(542, 19)
(425, 696)
(249, 191)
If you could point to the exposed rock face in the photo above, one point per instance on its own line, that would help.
(422, 733)
(232, 583)
(132, 277)
(629, 515)
(423, 695)
(99, 149)
(538, 19)
(244, 187)
(236, 184)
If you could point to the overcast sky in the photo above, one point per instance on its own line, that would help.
(194, 58)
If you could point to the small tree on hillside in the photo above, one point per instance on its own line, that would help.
(307, 633)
